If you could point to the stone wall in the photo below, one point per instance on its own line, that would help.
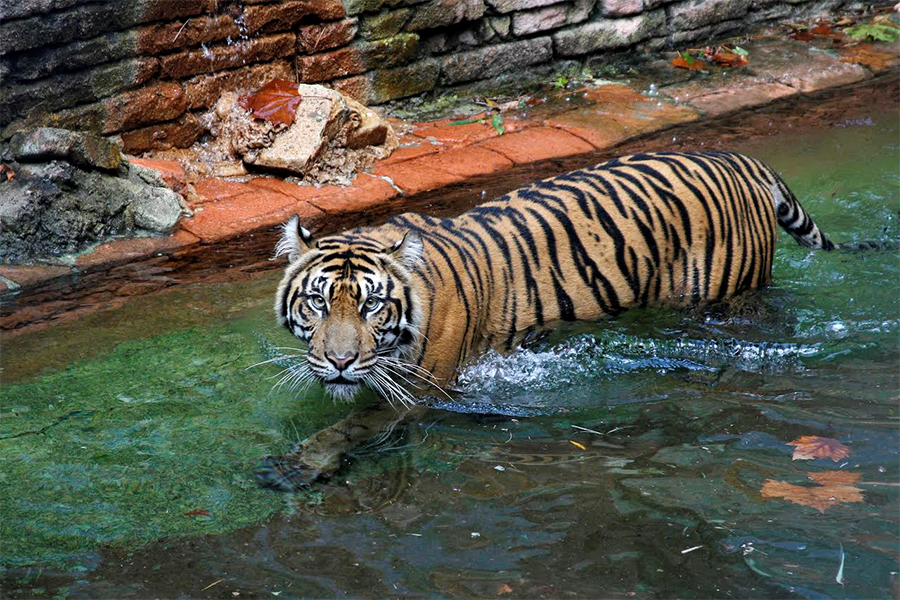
(144, 70)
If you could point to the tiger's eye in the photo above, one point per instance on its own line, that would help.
(372, 302)
(317, 302)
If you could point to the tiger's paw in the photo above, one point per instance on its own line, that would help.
(284, 474)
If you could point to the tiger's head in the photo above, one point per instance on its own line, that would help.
(350, 299)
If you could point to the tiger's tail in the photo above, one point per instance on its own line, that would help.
(797, 221)
(800, 225)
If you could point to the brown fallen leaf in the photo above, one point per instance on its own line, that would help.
(7, 172)
(866, 55)
(833, 488)
(275, 102)
(688, 62)
(810, 447)
(802, 36)
(198, 512)
(504, 589)
(726, 58)
(821, 29)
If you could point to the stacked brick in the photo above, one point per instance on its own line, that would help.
(144, 70)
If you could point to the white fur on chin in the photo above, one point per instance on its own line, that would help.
(343, 391)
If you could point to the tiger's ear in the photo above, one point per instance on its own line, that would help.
(295, 239)
(409, 250)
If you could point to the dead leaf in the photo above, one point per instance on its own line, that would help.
(275, 102)
(834, 487)
(577, 445)
(504, 589)
(802, 36)
(866, 55)
(821, 29)
(685, 61)
(198, 512)
(844, 22)
(726, 58)
(810, 447)
(8, 172)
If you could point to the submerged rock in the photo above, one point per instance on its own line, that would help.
(71, 190)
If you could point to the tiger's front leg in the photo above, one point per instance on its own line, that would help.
(319, 456)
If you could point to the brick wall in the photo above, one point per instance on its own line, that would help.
(143, 70)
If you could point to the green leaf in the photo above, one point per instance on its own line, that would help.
(687, 57)
(497, 122)
(876, 31)
(468, 121)
(740, 51)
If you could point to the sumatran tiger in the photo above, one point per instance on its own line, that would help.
(410, 301)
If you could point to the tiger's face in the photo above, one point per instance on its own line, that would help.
(349, 298)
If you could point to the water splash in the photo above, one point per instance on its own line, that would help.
(589, 359)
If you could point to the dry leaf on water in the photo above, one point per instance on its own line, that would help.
(810, 447)
(865, 54)
(504, 589)
(686, 61)
(833, 488)
(198, 512)
(821, 29)
(726, 58)
(275, 102)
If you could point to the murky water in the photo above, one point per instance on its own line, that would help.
(646, 456)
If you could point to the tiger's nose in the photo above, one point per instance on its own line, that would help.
(342, 361)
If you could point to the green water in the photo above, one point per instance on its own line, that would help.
(128, 441)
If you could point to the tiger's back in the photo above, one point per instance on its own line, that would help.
(662, 228)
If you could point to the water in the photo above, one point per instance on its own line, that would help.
(130, 438)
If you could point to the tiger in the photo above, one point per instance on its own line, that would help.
(400, 307)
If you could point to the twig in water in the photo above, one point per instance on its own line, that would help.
(840, 574)
(212, 584)
(579, 427)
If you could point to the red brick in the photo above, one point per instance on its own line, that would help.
(357, 87)
(152, 104)
(218, 58)
(302, 193)
(171, 172)
(366, 192)
(166, 37)
(537, 143)
(204, 90)
(324, 36)
(282, 16)
(118, 251)
(330, 65)
(25, 276)
(177, 134)
(162, 10)
(245, 212)
(409, 150)
(213, 190)
(456, 135)
(443, 168)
